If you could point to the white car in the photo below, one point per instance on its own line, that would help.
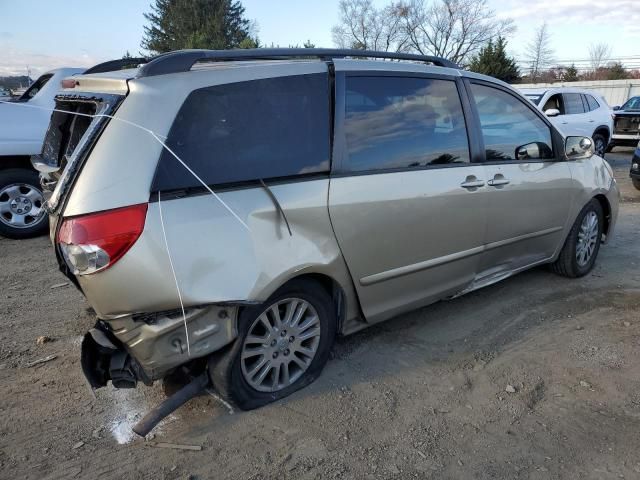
(22, 131)
(575, 112)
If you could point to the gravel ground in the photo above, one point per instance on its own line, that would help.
(535, 377)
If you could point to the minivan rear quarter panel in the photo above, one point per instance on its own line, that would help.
(218, 260)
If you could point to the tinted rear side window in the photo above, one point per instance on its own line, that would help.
(593, 103)
(573, 103)
(239, 132)
(397, 122)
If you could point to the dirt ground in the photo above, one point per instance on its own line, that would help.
(421, 396)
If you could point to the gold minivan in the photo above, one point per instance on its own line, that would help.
(227, 214)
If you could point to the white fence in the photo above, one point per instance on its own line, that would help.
(615, 92)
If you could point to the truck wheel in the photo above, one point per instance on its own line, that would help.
(282, 346)
(581, 247)
(22, 213)
(636, 183)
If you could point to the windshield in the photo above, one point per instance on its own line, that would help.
(534, 97)
(632, 104)
(33, 90)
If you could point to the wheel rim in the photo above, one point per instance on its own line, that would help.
(280, 345)
(587, 239)
(21, 205)
(599, 146)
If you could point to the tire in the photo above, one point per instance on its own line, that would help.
(636, 183)
(568, 263)
(229, 372)
(20, 189)
(599, 144)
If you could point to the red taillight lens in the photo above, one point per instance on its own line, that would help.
(93, 242)
(68, 83)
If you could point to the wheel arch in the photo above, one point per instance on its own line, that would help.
(345, 300)
(604, 130)
(606, 210)
(15, 161)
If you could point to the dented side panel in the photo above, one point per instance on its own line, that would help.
(216, 259)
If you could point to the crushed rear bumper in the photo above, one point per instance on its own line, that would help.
(145, 347)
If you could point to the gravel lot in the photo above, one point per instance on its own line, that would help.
(421, 396)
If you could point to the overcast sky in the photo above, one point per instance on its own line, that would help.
(44, 34)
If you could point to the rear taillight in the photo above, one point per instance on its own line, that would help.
(93, 242)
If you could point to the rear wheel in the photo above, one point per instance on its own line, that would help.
(282, 346)
(578, 255)
(599, 144)
(22, 213)
(636, 182)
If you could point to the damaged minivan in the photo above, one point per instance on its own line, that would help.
(227, 214)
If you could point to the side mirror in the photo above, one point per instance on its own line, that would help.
(576, 148)
(552, 112)
(530, 150)
(616, 108)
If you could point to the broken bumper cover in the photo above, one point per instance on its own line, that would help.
(145, 347)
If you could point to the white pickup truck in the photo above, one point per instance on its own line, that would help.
(23, 125)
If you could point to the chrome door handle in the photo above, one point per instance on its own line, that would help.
(472, 183)
(497, 181)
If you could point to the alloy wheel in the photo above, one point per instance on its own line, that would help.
(21, 205)
(280, 345)
(587, 238)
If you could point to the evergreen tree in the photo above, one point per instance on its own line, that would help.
(178, 24)
(570, 74)
(493, 60)
(616, 71)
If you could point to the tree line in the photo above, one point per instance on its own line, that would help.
(467, 32)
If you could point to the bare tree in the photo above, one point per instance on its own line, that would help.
(454, 29)
(599, 53)
(363, 26)
(539, 52)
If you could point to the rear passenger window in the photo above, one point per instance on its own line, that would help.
(573, 103)
(398, 122)
(245, 131)
(593, 103)
(511, 131)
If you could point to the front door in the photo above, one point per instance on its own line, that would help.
(406, 204)
(528, 186)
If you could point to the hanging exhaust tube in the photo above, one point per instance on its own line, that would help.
(182, 396)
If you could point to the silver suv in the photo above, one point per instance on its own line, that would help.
(228, 213)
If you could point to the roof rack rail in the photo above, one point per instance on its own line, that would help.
(118, 64)
(183, 60)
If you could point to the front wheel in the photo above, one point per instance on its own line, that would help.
(578, 255)
(636, 183)
(22, 213)
(282, 346)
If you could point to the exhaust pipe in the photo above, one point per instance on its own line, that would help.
(182, 396)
